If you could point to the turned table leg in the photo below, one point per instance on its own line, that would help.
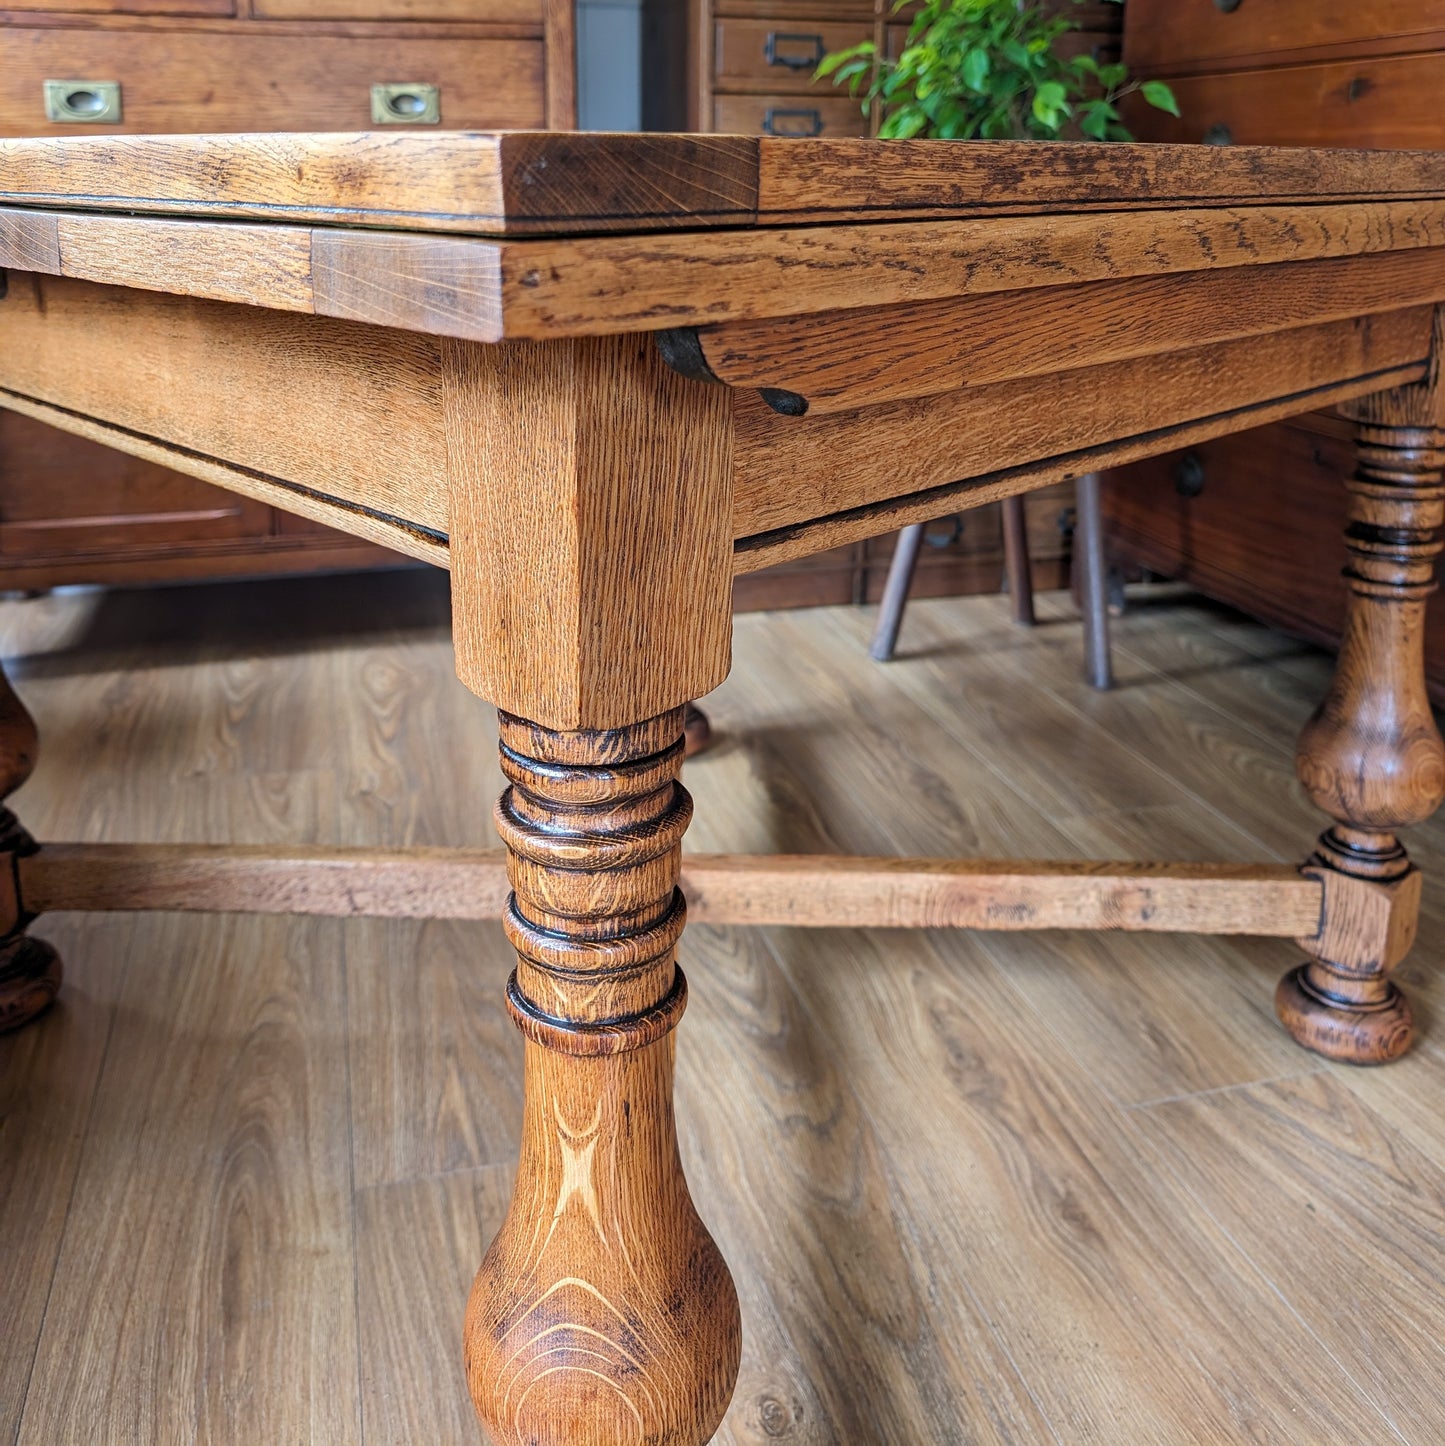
(1371, 757)
(603, 1313)
(30, 969)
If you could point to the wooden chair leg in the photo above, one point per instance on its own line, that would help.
(1018, 564)
(603, 1311)
(895, 592)
(1371, 757)
(30, 969)
(1094, 582)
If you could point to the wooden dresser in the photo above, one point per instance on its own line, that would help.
(72, 511)
(1254, 520)
(751, 72)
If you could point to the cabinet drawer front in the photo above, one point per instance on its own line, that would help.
(1392, 102)
(788, 115)
(63, 496)
(126, 7)
(1163, 34)
(513, 12)
(177, 83)
(756, 55)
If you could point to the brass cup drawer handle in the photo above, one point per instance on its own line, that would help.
(83, 102)
(802, 122)
(803, 52)
(406, 103)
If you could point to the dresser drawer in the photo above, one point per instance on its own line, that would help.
(759, 56)
(1390, 102)
(787, 115)
(62, 496)
(515, 12)
(1163, 34)
(177, 82)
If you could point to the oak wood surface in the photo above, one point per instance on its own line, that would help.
(540, 288)
(209, 380)
(791, 471)
(535, 183)
(844, 360)
(635, 615)
(796, 891)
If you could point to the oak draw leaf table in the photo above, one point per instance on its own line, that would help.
(598, 376)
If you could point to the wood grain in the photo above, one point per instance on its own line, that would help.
(844, 360)
(603, 1310)
(533, 183)
(207, 379)
(607, 593)
(800, 892)
(789, 471)
(548, 287)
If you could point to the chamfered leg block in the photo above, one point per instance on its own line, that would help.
(603, 1313)
(1371, 756)
(30, 970)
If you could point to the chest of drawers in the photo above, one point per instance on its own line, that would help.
(751, 67)
(72, 511)
(1252, 522)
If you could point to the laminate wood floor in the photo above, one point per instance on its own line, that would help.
(974, 1188)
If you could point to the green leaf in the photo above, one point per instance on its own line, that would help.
(976, 69)
(1160, 96)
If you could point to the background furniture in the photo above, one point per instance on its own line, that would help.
(75, 512)
(750, 71)
(1253, 520)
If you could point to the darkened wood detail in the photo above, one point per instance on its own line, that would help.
(30, 969)
(1372, 757)
(603, 1311)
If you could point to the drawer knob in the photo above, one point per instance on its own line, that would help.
(406, 103)
(1227, 7)
(950, 535)
(1189, 475)
(781, 121)
(1219, 134)
(796, 52)
(83, 102)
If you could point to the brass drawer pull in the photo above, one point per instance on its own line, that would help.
(83, 102)
(781, 121)
(406, 103)
(809, 57)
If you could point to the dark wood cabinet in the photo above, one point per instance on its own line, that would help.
(1256, 520)
(72, 511)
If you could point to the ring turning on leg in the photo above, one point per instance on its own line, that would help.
(603, 1314)
(1371, 757)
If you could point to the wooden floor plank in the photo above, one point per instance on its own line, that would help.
(1349, 1196)
(944, 1228)
(1155, 1330)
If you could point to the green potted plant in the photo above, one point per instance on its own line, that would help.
(990, 70)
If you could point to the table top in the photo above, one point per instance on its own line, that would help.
(545, 183)
(542, 235)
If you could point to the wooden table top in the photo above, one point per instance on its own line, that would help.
(547, 183)
(528, 235)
